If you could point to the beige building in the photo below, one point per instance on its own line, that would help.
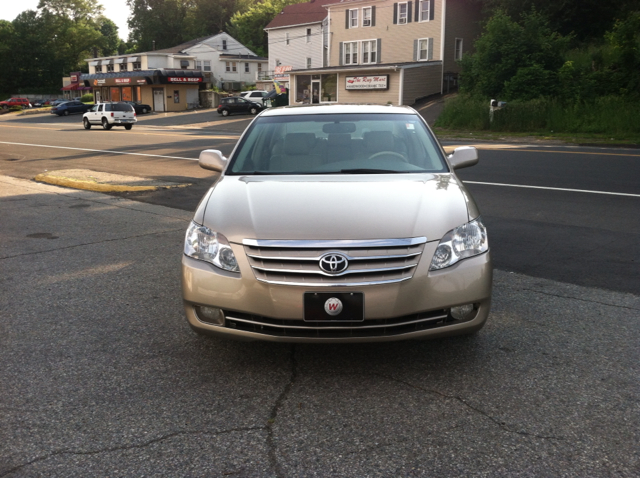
(381, 51)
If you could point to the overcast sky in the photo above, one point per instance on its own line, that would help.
(115, 10)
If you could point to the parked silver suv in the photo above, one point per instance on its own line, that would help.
(109, 115)
(339, 223)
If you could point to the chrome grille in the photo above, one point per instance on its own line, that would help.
(368, 328)
(370, 261)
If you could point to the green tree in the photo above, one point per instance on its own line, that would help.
(514, 59)
(110, 41)
(160, 21)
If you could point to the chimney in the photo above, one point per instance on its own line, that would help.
(95, 52)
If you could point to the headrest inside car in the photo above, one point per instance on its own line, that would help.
(299, 143)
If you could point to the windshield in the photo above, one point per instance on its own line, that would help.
(337, 144)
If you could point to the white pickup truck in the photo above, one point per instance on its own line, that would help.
(110, 115)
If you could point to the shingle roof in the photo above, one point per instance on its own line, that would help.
(301, 13)
(183, 46)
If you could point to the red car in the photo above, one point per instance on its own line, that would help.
(24, 102)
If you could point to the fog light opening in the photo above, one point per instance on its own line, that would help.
(210, 315)
(463, 312)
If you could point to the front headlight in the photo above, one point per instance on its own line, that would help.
(202, 243)
(464, 241)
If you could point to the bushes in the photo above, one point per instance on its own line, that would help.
(610, 115)
(87, 98)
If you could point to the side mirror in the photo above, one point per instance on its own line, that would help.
(213, 160)
(463, 157)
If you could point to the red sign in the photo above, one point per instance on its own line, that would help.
(123, 80)
(181, 79)
(282, 69)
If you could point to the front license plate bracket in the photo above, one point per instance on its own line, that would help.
(333, 307)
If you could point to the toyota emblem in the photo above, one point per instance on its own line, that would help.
(333, 263)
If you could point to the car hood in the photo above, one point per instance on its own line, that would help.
(335, 207)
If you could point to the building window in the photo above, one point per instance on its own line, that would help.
(353, 18)
(308, 62)
(207, 65)
(137, 65)
(425, 49)
(308, 35)
(402, 13)
(286, 38)
(259, 67)
(246, 67)
(109, 68)
(425, 10)
(198, 65)
(366, 17)
(369, 50)
(122, 67)
(98, 68)
(224, 44)
(458, 50)
(231, 67)
(351, 53)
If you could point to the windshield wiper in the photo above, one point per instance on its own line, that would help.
(368, 171)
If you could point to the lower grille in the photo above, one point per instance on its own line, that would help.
(368, 328)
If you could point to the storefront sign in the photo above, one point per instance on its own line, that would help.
(280, 73)
(123, 81)
(380, 82)
(99, 82)
(119, 81)
(181, 79)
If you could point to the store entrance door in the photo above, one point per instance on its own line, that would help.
(158, 99)
(315, 92)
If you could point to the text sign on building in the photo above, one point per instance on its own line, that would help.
(281, 72)
(123, 81)
(378, 82)
(180, 79)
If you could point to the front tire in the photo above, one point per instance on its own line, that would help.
(105, 124)
(225, 112)
(128, 126)
(253, 111)
(86, 124)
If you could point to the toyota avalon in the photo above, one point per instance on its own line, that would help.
(340, 223)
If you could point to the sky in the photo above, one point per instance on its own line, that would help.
(115, 10)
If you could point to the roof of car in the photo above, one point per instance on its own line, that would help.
(337, 109)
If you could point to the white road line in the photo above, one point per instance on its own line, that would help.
(98, 151)
(553, 189)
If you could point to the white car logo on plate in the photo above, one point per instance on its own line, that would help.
(333, 306)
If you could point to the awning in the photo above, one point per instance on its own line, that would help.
(72, 86)
(106, 62)
(120, 78)
(119, 60)
(133, 59)
(189, 77)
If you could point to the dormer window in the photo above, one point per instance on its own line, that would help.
(224, 44)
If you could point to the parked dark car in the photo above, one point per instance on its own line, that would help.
(139, 109)
(235, 104)
(57, 102)
(70, 107)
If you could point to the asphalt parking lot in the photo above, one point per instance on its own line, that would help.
(102, 376)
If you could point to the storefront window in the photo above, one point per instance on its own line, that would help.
(115, 94)
(138, 94)
(329, 87)
(127, 94)
(303, 88)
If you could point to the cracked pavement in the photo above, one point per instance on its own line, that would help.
(101, 376)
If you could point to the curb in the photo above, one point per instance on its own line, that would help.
(97, 187)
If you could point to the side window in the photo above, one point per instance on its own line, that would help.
(100, 107)
(107, 107)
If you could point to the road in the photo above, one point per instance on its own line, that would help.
(102, 377)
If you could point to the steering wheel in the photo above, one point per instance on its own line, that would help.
(389, 153)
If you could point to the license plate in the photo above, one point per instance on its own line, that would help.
(333, 307)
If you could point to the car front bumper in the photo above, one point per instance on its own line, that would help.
(413, 309)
